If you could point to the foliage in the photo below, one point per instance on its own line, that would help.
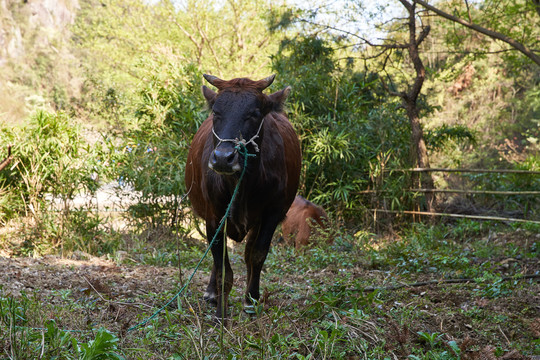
(114, 38)
(151, 156)
(142, 59)
(343, 120)
(49, 342)
(51, 157)
(52, 164)
(104, 346)
(490, 95)
(436, 138)
(500, 17)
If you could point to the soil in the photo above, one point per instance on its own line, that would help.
(458, 311)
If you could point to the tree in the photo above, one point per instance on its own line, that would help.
(492, 13)
(379, 53)
(410, 97)
(115, 39)
(229, 39)
(226, 38)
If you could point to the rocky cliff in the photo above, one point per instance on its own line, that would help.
(36, 21)
(34, 44)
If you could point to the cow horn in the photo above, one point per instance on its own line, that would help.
(266, 82)
(212, 79)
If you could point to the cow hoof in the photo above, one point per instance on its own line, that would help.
(210, 297)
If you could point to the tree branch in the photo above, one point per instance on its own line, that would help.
(7, 160)
(400, 94)
(364, 40)
(423, 35)
(198, 45)
(209, 43)
(468, 11)
(488, 32)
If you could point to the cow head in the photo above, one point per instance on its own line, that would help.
(238, 109)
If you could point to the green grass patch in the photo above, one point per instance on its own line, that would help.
(314, 303)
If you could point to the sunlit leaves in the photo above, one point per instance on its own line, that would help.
(152, 153)
(51, 157)
(328, 147)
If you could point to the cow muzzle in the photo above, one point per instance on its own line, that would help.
(224, 161)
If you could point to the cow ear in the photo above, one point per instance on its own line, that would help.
(209, 94)
(278, 98)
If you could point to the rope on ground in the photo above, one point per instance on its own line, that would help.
(444, 281)
(241, 148)
(464, 216)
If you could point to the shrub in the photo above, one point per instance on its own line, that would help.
(52, 160)
(345, 122)
(152, 153)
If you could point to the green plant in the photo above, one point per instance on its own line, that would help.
(52, 164)
(430, 339)
(437, 138)
(343, 120)
(325, 344)
(56, 343)
(152, 154)
(103, 347)
(49, 342)
(493, 285)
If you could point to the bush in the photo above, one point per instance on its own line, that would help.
(151, 156)
(50, 157)
(345, 122)
(51, 160)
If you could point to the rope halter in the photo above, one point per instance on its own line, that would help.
(240, 142)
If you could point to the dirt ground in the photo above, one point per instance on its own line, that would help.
(81, 273)
(123, 290)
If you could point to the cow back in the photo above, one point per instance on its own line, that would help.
(301, 222)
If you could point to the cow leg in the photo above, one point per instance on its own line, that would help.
(217, 292)
(211, 293)
(257, 246)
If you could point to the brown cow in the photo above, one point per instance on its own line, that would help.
(242, 118)
(303, 217)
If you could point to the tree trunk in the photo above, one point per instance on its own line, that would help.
(410, 101)
(425, 180)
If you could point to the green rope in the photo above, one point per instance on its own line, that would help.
(243, 151)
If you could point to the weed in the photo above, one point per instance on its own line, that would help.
(48, 342)
(431, 339)
(493, 286)
(104, 346)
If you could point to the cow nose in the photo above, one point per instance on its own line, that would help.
(224, 161)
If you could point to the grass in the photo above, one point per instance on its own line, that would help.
(312, 306)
